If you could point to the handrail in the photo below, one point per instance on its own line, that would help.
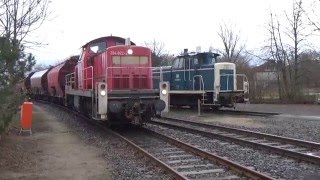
(244, 80)
(86, 77)
(201, 81)
(70, 80)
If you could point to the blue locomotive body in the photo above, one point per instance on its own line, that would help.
(198, 76)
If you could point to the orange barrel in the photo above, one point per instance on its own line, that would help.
(26, 115)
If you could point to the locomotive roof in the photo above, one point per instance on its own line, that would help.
(67, 59)
(196, 53)
(106, 38)
(39, 74)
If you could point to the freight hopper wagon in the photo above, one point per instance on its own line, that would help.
(38, 86)
(198, 76)
(113, 82)
(56, 79)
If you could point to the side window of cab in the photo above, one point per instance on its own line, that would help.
(175, 64)
(178, 63)
(181, 63)
(195, 62)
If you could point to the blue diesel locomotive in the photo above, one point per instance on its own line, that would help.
(198, 76)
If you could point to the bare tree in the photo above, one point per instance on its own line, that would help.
(312, 14)
(233, 50)
(40, 67)
(296, 35)
(19, 18)
(160, 56)
(285, 48)
(278, 53)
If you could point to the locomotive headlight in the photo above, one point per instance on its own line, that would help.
(103, 93)
(164, 92)
(130, 51)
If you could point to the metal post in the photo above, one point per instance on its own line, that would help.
(161, 76)
(199, 107)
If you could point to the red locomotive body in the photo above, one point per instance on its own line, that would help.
(113, 82)
(56, 78)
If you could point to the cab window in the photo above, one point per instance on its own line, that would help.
(98, 47)
(175, 63)
(195, 61)
(178, 63)
(208, 59)
(181, 63)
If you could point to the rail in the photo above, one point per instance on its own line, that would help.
(241, 170)
(266, 142)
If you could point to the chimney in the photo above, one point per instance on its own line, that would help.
(128, 42)
(185, 51)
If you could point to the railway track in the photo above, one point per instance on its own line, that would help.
(178, 159)
(189, 162)
(294, 148)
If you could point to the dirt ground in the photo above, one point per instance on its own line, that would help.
(53, 151)
(292, 109)
(220, 118)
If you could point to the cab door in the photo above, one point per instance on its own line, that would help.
(178, 75)
(195, 75)
(188, 74)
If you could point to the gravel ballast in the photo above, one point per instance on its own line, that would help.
(299, 127)
(276, 166)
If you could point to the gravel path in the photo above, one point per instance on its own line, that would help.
(126, 164)
(278, 167)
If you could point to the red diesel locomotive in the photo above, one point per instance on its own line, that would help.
(111, 81)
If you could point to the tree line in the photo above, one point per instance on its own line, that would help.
(18, 19)
(287, 47)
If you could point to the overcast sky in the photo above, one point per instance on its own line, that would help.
(178, 24)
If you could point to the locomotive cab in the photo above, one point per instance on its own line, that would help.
(113, 82)
(130, 81)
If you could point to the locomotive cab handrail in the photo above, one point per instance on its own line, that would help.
(87, 78)
(70, 81)
(201, 82)
(245, 85)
